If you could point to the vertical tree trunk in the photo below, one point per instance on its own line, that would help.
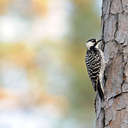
(113, 113)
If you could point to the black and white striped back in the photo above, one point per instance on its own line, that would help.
(93, 63)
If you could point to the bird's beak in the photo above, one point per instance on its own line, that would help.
(99, 40)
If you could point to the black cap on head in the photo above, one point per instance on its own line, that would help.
(92, 40)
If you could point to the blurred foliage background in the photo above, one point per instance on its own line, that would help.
(43, 78)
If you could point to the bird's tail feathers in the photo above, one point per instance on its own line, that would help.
(100, 90)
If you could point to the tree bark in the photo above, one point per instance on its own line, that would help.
(113, 112)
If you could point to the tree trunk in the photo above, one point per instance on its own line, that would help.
(113, 113)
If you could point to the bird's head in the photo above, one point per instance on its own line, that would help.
(92, 43)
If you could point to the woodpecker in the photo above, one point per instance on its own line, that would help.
(95, 65)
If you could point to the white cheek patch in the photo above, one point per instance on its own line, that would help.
(97, 46)
(89, 44)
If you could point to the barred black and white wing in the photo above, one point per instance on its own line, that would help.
(94, 63)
